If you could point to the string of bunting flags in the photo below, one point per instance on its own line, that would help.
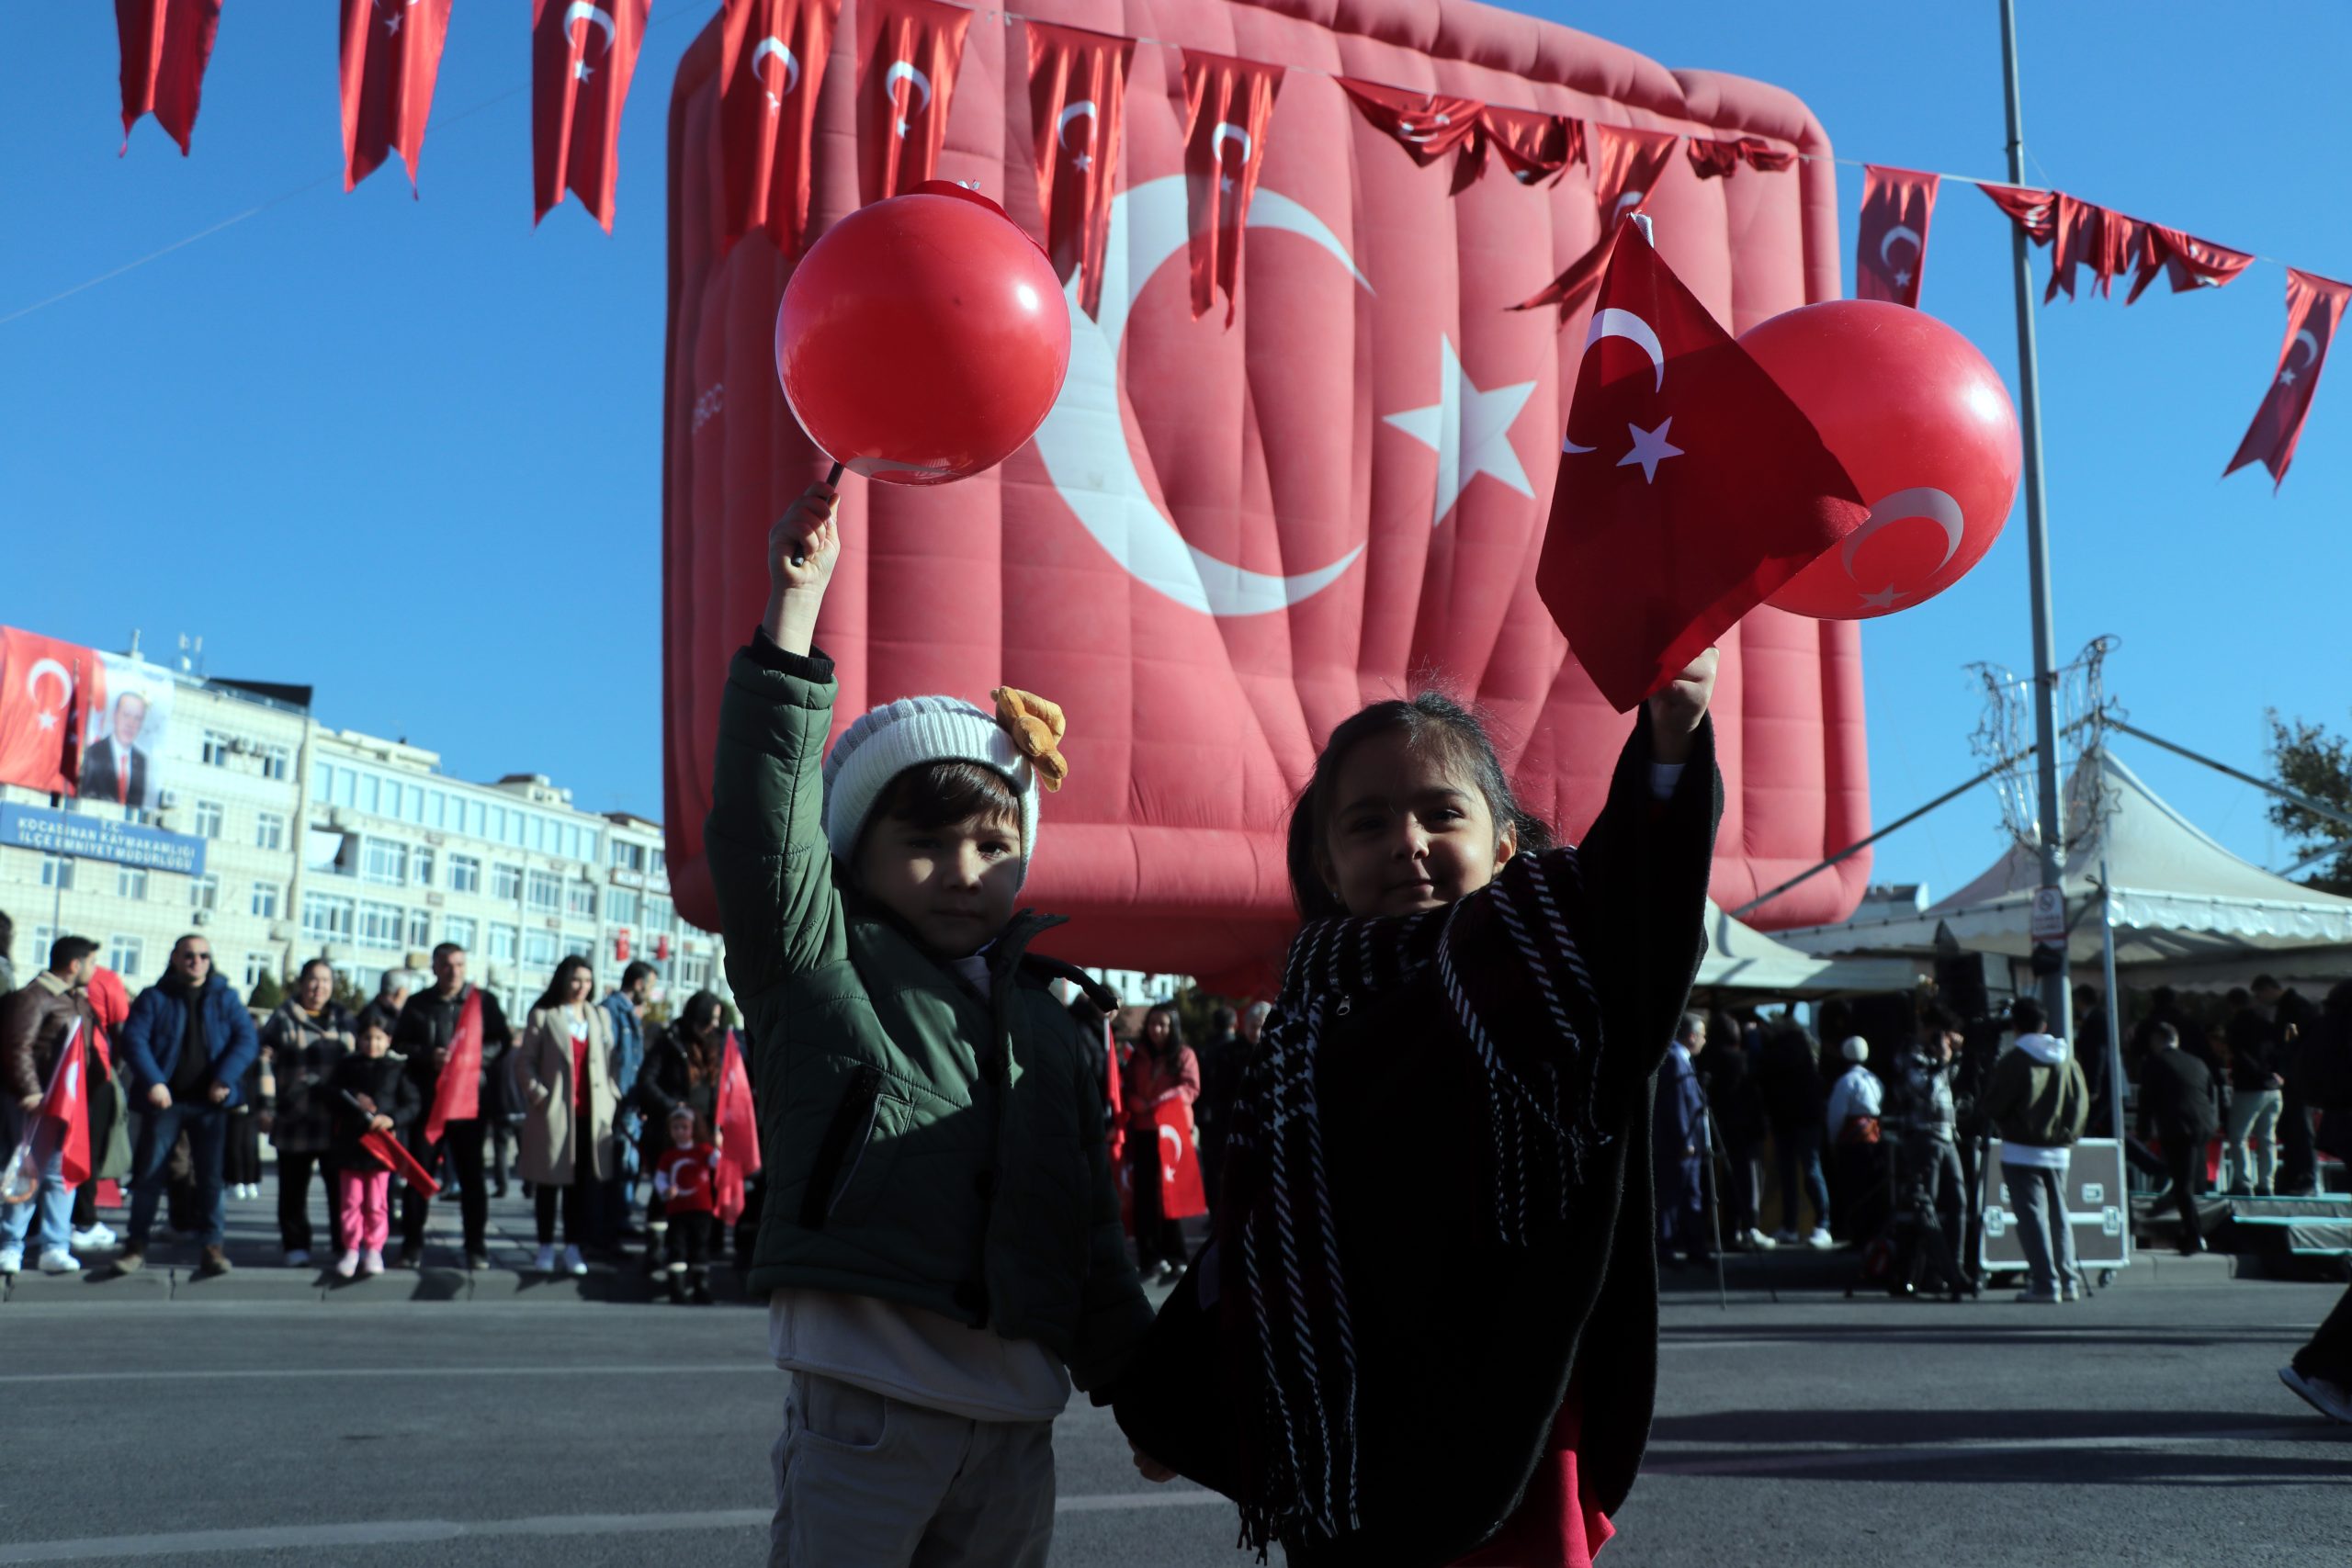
(583, 55)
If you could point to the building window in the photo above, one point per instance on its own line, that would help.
(582, 946)
(580, 900)
(627, 856)
(57, 871)
(346, 788)
(436, 809)
(501, 942)
(371, 795)
(545, 893)
(216, 750)
(327, 916)
(384, 861)
(538, 948)
(588, 846)
(269, 830)
(660, 864)
(506, 883)
(131, 882)
(620, 907)
(420, 865)
(208, 818)
(125, 957)
(264, 904)
(204, 892)
(322, 781)
(659, 914)
(420, 928)
(379, 924)
(276, 763)
(460, 930)
(465, 874)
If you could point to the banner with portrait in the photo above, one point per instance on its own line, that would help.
(124, 751)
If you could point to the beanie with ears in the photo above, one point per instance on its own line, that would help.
(1019, 742)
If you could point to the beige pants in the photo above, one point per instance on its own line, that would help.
(874, 1482)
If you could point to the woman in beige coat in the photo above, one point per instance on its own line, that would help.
(566, 1075)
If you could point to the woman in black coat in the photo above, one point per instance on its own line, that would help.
(680, 1067)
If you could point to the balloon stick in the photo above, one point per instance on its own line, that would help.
(831, 480)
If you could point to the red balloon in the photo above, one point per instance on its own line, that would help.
(924, 338)
(1923, 427)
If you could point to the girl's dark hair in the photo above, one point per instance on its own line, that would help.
(939, 794)
(695, 1020)
(1431, 722)
(561, 981)
(1175, 1028)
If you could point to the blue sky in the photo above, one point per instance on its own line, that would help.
(392, 447)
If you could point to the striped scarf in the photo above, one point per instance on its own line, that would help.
(1520, 1002)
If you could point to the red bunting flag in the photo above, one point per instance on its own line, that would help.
(1891, 250)
(583, 54)
(1427, 125)
(770, 70)
(2188, 262)
(906, 54)
(738, 1125)
(1078, 89)
(1626, 166)
(48, 689)
(391, 56)
(67, 1105)
(165, 46)
(2030, 210)
(1714, 159)
(1228, 104)
(456, 1094)
(1536, 148)
(1690, 486)
(2082, 235)
(2314, 309)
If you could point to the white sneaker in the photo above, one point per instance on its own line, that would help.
(573, 1262)
(1821, 1240)
(2040, 1298)
(546, 1261)
(97, 1238)
(1785, 1238)
(2072, 1290)
(372, 1262)
(1760, 1241)
(297, 1257)
(2328, 1397)
(11, 1261)
(347, 1265)
(57, 1260)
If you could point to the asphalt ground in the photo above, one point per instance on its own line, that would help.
(263, 1419)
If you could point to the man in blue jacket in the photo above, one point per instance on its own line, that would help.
(189, 1040)
(625, 1005)
(1679, 1148)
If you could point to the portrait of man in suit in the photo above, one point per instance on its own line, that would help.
(114, 766)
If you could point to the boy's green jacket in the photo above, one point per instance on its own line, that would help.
(920, 1144)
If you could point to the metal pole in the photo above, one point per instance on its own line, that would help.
(2054, 989)
(2114, 1034)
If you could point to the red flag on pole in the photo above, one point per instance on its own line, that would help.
(2030, 210)
(47, 691)
(583, 56)
(1118, 1097)
(1536, 148)
(772, 67)
(906, 54)
(1077, 79)
(165, 46)
(67, 1104)
(1690, 486)
(391, 56)
(739, 1130)
(395, 1158)
(2314, 309)
(1626, 166)
(1891, 251)
(1228, 104)
(1427, 125)
(456, 1094)
(2189, 262)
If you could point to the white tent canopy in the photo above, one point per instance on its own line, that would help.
(1741, 958)
(2181, 900)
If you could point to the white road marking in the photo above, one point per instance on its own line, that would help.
(1817, 1457)
(241, 1374)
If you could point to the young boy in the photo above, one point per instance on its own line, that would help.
(941, 1245)
(682, 1178)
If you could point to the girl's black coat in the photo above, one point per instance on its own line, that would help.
(1465, 1346)
(384, 1079)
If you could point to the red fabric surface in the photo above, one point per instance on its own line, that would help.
(165, 46)
(1891, 245)
(1555, 1527)
(391, 56)
(2314, 309)
(1228, 102)
(581, 69)
(908, 52)
(1077, 78)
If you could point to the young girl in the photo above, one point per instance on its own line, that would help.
(1430, 1312)
(369, 1091)
(1162, 1068)
(682, 1178)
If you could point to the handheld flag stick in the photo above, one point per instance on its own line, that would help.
(831, 480)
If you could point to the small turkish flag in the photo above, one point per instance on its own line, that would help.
(165, 46)
(1181, 1194)
(906, 54)
(1690, 486)
(583, 55)
(1228, 104)
(2031, 210)
(67, 1103)
(738, 1130)
(2314, 309)
(393, 1157)
(1427, 125)
(1626, 166)
(48, 690)
(1078, 89)
(1536, 148)
(2189, 262)
(391, 56)
(2082, 234)
(456, 1094)
(771, 68)
(1891, 250)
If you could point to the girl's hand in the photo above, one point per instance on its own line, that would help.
(1150, 1469)
(1675, 712)
(803, 548)
(380, 1124)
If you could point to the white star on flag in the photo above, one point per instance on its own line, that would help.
(1650, 449)
(902, 127)
(1083, 162)
(1902, 279)
(1885, 598)
(1468, 429)
(46, 720)
(579, 68)
(2286, 378)
(392, 23)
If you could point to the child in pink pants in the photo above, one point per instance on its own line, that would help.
(371, 1094)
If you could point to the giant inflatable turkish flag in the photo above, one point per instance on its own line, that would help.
(1226, 540)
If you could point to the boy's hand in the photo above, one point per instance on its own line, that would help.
(803, 548)
(1150, 1469)
(1675, 712)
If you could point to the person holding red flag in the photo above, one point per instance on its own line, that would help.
(1162, 1081)
(687, 1178)
(369, 1091)
(681, 1069)
(44, 1028)
(453, 1034)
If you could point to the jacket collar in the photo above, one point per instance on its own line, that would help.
(54, 984)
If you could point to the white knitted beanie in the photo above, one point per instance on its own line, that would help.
(909, 733)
